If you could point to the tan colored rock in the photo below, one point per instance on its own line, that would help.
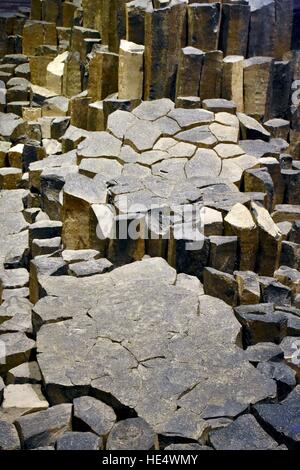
(248, 287)
(31, 114)
(92, 14)
(96, 116)
(36, 33)
(239, 222)
(116, 23)
(78, 110)
(83, 40)
(26, 396)
(4, 148)
(103, 74)
(68, 12)
(269, 240)
(289, 277)
(38, 68)
(286, 213)
(211, 76)
(72, 75)
(10, 178)
(256, 82)
(79, 224)
(131, 76)
(55, 73)
(221, 285)
(15, 156)
(233, 80)
(36, 10)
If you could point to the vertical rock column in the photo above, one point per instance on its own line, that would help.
(92, 14)
(233, 80)
(52, 11)
(36, 33)
(103, 74)
(234, 29)
(239, 222)
(165, 35)
(279, 89)
(135, 20)
(257, 73)
(211, 77)
(36, 10)
(284, 26)
(262, 28)
(189, 72)
(204, 25)
(131, 65)
(116, 24)
(55, 73)
(72, 79)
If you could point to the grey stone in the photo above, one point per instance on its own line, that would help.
(78, 441)
(94, 414)
(28, 372)
(263, 352)
(16, 349)
(139, 376)
(43, 428)
(9, 439)
(282, 420)
(244, 434)
(89, 268)
(131, 434)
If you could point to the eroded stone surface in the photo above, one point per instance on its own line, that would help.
(152, 343)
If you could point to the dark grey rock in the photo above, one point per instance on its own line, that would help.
(94, 414)
(9, 439)
(131, 434)
(44, 427)
(145, 357)
(78, 441)
(284, 375)
(263, 352)
(261, 323)
(282, 421)
(243, 434)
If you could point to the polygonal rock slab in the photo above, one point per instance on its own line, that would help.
(158, 355)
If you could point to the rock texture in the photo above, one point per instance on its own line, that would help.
(150, 225)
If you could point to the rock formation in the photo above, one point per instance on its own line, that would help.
(150, 222)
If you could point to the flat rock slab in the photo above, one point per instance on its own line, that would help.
(243, 434)
(161, 353)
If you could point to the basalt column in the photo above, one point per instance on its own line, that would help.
(163, 42)
(234, 29)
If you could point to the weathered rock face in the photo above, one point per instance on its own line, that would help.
(147, 361)
(150, 250)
